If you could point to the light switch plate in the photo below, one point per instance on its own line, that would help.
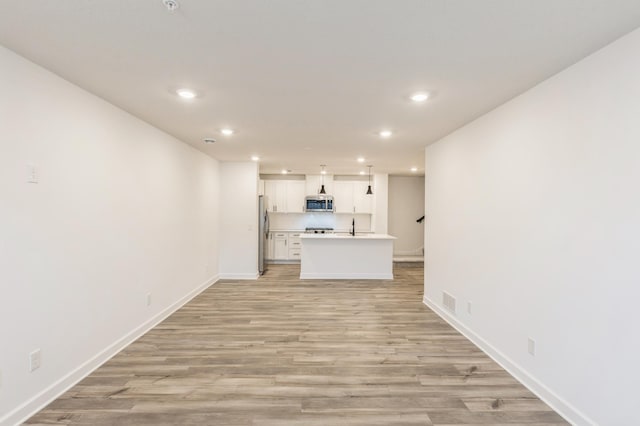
(35, 360)
(531, 346)
(32, 173)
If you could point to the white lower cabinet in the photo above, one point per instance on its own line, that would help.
(294, 246)
(280, 249)
(283, 246)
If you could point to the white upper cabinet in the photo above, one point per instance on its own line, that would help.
(295, 196)
(362, 202)
(350, 197)
(343, 196)
(314, 182)
(285, 196)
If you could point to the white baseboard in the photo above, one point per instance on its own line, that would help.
(239, 276)
(416, 252)
(565, 409)
(339, 276)
(41, 400)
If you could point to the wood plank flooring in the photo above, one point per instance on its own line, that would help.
(280, 351)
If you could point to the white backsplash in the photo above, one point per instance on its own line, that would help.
(338, 221)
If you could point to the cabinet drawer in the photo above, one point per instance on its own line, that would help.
(294, 237)
(279, 235)
(294, 253)
(294, 244)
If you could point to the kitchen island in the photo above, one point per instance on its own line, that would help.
(334, 256)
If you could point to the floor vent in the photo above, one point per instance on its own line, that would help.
(449, 302)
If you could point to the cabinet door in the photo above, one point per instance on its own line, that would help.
(281, 251)
(281, 196)
(312, 184)
(276, 192)
(295, 196)
(271, 191)
(363, 203)
(343, 196)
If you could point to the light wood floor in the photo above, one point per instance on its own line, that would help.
(280, 351)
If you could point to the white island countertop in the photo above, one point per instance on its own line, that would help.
(358, 236)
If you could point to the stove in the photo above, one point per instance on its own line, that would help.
(318, 230)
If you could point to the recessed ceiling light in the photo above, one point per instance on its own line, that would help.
(419, 97)
(362, 172)
(284, 171)
(186, 93)
(226, 131)
(171, 5)
(323, 172)
(385, 133)
(255, 158)
(414, 169)
(360, 160)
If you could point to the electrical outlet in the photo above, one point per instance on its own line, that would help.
(35, 360)
(469, 308)
(531, 347)
(148, 299)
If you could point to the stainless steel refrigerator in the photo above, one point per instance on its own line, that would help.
(263, 233)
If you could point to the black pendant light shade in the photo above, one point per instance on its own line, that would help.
(369, 191)
(322, 173)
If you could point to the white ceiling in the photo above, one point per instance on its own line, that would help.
(310, 82)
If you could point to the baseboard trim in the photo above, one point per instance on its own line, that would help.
(241, 276)
(41, 400)
(562, 407)
(417, 252)
(341, 276)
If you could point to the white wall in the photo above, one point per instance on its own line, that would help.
(533, 214)
(239, 220)
(380, 217)
(406, 205)
(121, 209)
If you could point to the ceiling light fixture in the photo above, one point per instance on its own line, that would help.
(362, 172)
(414, 169)
(369, 191)
(322, 173)
(186, 93)
(255, 158)
(385, 133)
(284, 171)
(171, 5)
(419, 97)
(227, 131)
(360, 160)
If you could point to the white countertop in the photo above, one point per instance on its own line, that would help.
(347, 237)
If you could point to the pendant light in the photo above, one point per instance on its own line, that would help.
(369, 191)
(322, 173)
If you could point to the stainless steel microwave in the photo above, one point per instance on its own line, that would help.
(319, 203)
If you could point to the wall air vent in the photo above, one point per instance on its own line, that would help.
(449, 302)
